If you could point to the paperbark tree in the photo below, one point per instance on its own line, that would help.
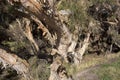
(55, 31)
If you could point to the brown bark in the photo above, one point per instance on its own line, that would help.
(28, 34)
(35, 8)
(65, 42)
(47, 35)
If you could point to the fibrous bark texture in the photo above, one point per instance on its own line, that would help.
(62, 41)
(15, 62)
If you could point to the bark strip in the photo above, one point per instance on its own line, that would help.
(15, 62)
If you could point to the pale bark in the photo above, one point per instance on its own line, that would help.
(15, 62)
(64, 43)
(57, 72)
(82, 49)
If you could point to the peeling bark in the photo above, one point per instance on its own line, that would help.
(15, 62)
(58, 71)
(28, 34)
(64, 43)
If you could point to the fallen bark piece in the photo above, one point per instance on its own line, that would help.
(13, 61)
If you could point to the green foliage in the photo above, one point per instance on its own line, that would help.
(79, 15)
(13, 45)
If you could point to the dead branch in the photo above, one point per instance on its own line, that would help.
(82, 49)
(74, 40)
(79, 52)
(117, 44)
(29, 35)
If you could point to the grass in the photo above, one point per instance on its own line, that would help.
(90, 61)
(98, 68)
(93, 60)
(13, 45)
(109, 71)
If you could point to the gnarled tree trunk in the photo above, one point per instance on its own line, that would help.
(55, 31)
